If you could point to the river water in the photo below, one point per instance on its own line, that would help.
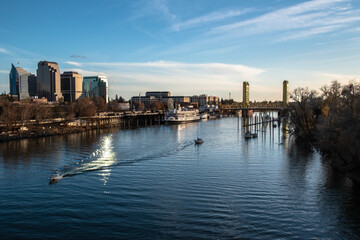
(154, 183)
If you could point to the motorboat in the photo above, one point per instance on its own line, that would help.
(204, 116)
(55, 178)
(198, 141)
(248, 134)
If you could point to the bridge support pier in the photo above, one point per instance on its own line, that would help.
(247, 112)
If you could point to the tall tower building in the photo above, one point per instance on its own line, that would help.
(246, 95)
(285, 93)
(71, 86)
(18, 78)
(49, 81)
(96, 86)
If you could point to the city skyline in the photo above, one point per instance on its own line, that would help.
(203, 47)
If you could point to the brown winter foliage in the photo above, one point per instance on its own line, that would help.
(14, 115)
(330, 120)
(85, 107)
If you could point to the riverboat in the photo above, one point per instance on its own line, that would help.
(182, 115)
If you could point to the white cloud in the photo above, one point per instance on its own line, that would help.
(210, 17)
(85, 72)
(74, 63)
(5, 51)
(309, 33)
(316, 15)
(179, 67)
(340, 77)
(162, 7)
(177, 77)
(4, 71)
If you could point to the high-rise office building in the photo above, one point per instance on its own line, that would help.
(18, 78)
(285, 93)
(246, 95)
(48, 81)
(95, 86)
(32, 85)
(71, 86)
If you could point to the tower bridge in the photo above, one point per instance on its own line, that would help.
(247, 109)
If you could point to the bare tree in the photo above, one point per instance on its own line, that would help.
(84, 107)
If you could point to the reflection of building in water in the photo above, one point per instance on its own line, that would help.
(26, 150)
(285, 133)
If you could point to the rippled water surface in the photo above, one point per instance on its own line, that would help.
(155, 183)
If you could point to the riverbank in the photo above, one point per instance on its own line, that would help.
(35, 133)
(52, 127)
(346, 170)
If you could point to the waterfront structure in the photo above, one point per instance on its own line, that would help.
(205, 99)
(164, 96)
(158, 94)
(49, 81)
(246, 95)
(285, 93)
(95, 86)
(146, 100)
(71, 86)
(18, 79)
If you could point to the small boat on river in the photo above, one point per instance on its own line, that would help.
(198, 141)
(55, 178)
(248, 134)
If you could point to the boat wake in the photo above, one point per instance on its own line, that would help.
(104, 158)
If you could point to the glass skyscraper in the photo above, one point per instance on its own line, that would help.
(96, 86)
(19, 82)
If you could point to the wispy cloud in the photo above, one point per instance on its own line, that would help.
(85, 72)
(77, 56)
(168, 66)
(208, 18)
(5, 51)
(309, 33)
(178, 77)
(74, 63)
(4, 71)
(340, 77)
(161, 6)
(318, 16)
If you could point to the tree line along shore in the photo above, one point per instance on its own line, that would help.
(28, 120)
(329, 120)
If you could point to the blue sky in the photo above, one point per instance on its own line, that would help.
(187, 47)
